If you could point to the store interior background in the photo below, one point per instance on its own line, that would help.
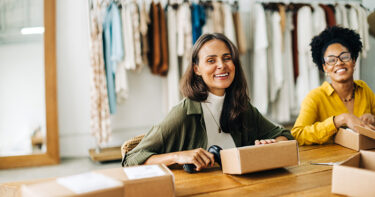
(145, 106)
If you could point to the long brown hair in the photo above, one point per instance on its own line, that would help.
(236, 95)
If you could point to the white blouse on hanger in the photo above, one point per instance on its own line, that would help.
(260, 70)
(173, 70)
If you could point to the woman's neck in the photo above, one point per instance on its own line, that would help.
(344, 89)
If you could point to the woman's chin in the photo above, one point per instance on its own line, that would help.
(342, 78)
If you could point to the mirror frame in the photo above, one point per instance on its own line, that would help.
(51, 156)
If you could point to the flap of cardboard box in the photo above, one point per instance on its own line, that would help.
(367, 132)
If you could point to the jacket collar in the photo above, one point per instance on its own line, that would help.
(193, 107)
(327, 87)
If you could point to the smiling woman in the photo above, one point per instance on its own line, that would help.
(344, 102)
(216, 66)
(216, 111)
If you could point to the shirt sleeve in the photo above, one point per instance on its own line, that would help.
(372, 101)
(307, 130)
(267, 130)
(150, 145)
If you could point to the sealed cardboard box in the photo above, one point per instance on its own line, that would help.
(259, 157)
(80, 185)
(355, 176)
(146, 180)
(360, 139)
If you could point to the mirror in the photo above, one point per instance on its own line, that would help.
(28, 115)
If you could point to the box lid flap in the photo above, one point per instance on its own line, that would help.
(366, 132)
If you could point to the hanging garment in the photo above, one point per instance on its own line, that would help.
(240, 34)
(274, 58)
(163, 66)
(363, 28)
(366, 32)
(218, 17)
(308, 77)
(288, 91)
(184, 34)
(100, 122)
(354, 25)
(276, 50)
(113, 51)
(208, 27)
(280, 106)
(144, 21)
(129, 58)
(295, 43)
(341, 11)
(363, 32)
(319, 22)
(154, 55)
(128, 62)
(330, 15)
(198, 20)
(173, 73)
(229, 29)
(134, 15)
(260, 80)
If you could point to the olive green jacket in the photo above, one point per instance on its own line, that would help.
(184, 129)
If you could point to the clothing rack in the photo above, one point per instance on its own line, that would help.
(309, 1)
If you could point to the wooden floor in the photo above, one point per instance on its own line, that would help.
(302, 180)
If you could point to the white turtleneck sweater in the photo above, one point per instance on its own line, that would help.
(211, 113)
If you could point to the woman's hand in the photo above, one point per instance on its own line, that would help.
(270, 141)
(199, 157)
(350, 120)
(368, 119)
(265, 141)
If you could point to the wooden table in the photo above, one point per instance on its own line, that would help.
(302, 180)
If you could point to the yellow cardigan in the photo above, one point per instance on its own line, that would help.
(314, 124)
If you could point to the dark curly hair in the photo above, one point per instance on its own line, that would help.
(344, 36)
(237, 98)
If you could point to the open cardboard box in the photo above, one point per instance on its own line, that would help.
(362, 139)
(259, 157)
(355, 176)
(146, 180)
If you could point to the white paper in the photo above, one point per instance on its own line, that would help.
(145, 171)
(87, 182)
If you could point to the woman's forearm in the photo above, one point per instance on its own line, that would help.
(167, 159)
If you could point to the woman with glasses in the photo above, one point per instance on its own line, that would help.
(344, 102)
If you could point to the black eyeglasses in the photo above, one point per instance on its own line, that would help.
(332, 60)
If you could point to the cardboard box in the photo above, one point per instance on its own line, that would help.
(146, 180)
(361, 139)
(80, 185)
(259, 157)
(355, 176)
